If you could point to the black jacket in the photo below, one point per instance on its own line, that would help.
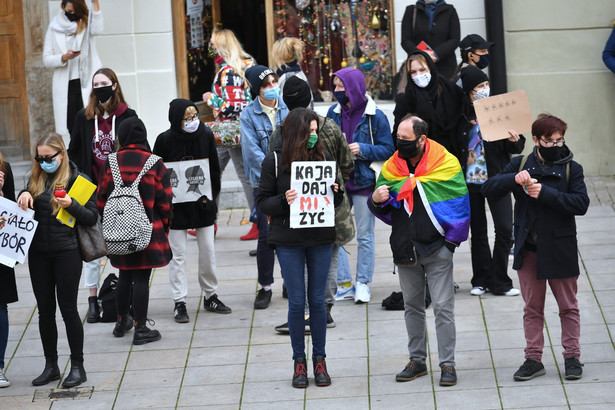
(271, 200)
(551, 216)
(51, 235)
(8, 286)
(443, 37)
(80, 146)
(176, 145)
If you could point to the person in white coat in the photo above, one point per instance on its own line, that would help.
(71, 51)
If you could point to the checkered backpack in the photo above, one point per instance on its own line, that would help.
(126, 227)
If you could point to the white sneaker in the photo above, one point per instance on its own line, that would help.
(477, 291)
(345, 292)
(512, 292)
(4, 382)
(362, 294)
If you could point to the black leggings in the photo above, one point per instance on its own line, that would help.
(139, 279)
(58, 273)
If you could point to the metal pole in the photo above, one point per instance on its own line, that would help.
(494, 15)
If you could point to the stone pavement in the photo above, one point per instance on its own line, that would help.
(238, 361)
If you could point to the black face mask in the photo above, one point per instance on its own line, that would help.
(104, 93)
(407, 149)
(71, 16)
(483, 61)
(341, 97)
(552, 154)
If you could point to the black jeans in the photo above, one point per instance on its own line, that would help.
(58, 273)
(75, 103)
(490, 271)
(137, 281)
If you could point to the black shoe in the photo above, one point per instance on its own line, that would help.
(144, 334)
(574, 368)
(213, 304)
(181, 314)
(76, 376)
(321, 377)
(300, 380)
(285, 330)
(50, 373)
(330, 322)
(284, 291)
(263, 298)
(252, 253)
(411, 371)
(124, 324)
(94, 310)
(448, 376)
(529, 369)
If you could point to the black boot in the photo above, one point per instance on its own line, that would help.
(300, 380)
(50, 373)
(144, 334)
(321, 376)
(76, 376)
(94, 310)
(124, 324)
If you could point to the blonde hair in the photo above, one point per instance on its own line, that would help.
(286, 50)
(230, 49)
(40, 180)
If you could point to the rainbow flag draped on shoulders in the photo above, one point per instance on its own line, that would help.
(442, 188)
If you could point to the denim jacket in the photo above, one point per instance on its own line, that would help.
(382, 147)
(256, 133)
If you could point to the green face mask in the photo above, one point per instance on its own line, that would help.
(312, 140)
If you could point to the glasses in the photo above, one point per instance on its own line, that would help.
(48, 160)
(551, 144)
(192, 117)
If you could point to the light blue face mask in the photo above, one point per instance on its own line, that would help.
(272, 93)
(50, 168)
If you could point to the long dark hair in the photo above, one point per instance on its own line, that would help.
(295, 134)
(94, 106)
(81, 11)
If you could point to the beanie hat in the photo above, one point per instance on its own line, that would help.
(474, 42)
(132, 131)
(255, 76)
(296, 93)
(471, 77)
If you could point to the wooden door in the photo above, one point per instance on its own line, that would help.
(14, 133)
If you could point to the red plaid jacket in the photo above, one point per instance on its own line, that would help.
(156, 193)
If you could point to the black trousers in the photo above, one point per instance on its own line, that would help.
(137, 282)
(490, 270)
(75, 103)
(57, 273)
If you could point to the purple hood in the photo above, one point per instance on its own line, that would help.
(354, 83)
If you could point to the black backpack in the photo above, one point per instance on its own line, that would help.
(106, 296)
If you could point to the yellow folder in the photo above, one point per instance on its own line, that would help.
(81, 190)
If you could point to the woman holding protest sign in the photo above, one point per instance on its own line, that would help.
(297, 248)
(8, 287)
(54, 258)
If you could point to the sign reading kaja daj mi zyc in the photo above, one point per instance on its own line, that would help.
(16, 231)
(190, 180)
(312, 181)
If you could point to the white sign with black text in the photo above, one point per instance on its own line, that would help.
(312, 180)
(190, 180)
(16, 232)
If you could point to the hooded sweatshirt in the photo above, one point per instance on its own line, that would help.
(177, 145)
(354, 83)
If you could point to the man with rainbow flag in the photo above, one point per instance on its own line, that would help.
(422, 194)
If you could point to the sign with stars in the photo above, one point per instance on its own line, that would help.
(500, 113)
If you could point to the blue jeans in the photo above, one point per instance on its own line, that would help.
(265, 257)
(292, 260)
(4, 332)
(366, 251)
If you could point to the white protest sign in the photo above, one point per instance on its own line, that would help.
(312, 181)
(190, 180)
(16, 233)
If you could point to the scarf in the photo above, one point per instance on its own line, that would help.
(63, 25)
(442, 189)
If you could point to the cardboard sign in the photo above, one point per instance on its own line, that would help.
(500, 113)
(314, 206)
(190, 180)
(16, 233)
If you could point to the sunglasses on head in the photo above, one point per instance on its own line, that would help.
(48, 160)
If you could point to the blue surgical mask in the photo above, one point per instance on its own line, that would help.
(341, 97)
(272, 93)
(50, 168)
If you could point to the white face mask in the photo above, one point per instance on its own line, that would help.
(482, 93)
(422, 80)
(191, 126)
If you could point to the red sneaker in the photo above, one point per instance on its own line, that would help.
(253, 234)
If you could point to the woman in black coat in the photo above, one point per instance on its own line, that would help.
(8, 287)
